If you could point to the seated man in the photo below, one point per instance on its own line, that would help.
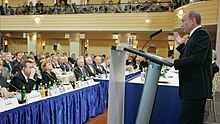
(80, 71)
(98, 64)
(24, 77)
(91, 68)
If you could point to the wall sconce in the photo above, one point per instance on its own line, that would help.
(82, 36)
(180, 14)
(5, 42)
(135, 44)
(87, 43)
(24, 35)
(43, 44)
(37, 20)
(147, 21)
(131, 39)
(66, 35)
(6, 3)
(115, 36)
(171, 45)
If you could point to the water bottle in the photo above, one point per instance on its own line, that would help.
(43, 91)
(35, 86)
(23, 93)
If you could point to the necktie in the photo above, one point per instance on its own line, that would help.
(83, 72)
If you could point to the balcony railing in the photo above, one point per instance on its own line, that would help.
(93, 8)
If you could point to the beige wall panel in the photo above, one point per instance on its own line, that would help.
(99, 50)
(14, 3)
(17, 44)
(208, 10)
(64, 45)
(90, 22)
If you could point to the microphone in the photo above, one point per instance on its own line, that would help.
(156, 33)
(150, 37)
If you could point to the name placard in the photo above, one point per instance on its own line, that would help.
(9, 103)
(67, 88)
(55, 92)
(91, 81)
(33, 97)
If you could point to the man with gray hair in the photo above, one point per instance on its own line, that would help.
(91, 68)
(8, 61)
(80, 71)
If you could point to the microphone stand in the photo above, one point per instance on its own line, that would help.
(148, 40)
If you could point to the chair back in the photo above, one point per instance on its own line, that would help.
(215, 81)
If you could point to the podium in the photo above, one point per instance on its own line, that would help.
(117, 85)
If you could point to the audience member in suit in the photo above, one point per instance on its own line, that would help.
(16, 67)
(47, 74)
(130, 61)
(138, 65)
(18, 57)
(7, 61)
(144, 63)
(54, 62)
(63, 66)
(4, 71)
(3, 82)
(91, 68)
(25, 77)
(194, 65)
(215, 67)
(72, 59)
(68, 65)
(98, 64)
(106, 65)
(80, 71)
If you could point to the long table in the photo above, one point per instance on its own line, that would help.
(105, 84)
(166, 104)
(74, 107)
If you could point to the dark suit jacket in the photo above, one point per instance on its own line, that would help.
(5, 64)
(194, 65)
(215, 69)
(49, 78)
(64, 67)
(18, 80)
(3, 82)
(96, 70)
(78, 73)
(15, 68)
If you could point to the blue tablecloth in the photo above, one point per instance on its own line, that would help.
(70, 108)
(105, 84)
(166, 104)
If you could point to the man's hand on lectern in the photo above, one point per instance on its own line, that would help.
(170, 60)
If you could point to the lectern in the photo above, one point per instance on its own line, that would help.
(117, 85)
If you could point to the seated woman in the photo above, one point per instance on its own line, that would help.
(47, 74)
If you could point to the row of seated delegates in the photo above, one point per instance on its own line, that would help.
(90, 69)
(135, 62)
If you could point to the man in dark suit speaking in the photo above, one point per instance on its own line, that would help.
(194, 65)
